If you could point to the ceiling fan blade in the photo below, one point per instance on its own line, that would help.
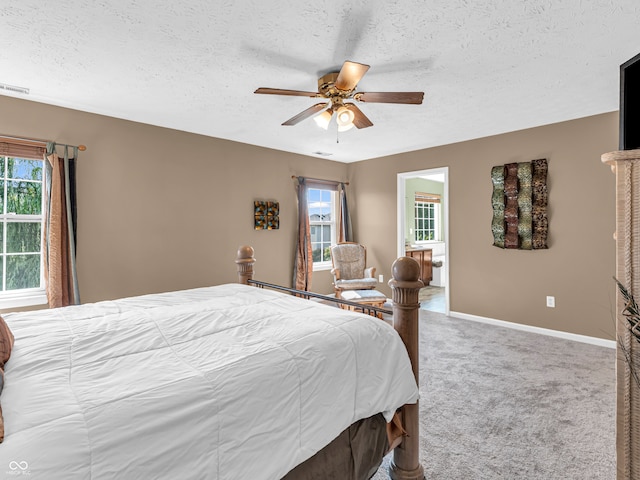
(279, 91)
(350, 74)
(306, 113)
(360, 120)
(390, 97)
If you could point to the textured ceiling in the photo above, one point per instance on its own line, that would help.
(486, 67)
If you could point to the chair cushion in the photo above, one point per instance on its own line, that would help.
(366, 295)
(357, 284)
(349, 259)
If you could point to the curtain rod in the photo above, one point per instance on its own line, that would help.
(321, 180)
(36, 142)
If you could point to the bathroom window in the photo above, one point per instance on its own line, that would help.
(427, 217)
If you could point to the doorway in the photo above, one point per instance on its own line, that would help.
(423, 223)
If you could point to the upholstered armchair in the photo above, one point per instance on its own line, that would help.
(349, 268)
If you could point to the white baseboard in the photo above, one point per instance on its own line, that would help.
(601, 342)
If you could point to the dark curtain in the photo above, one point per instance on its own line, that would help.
(345, 234)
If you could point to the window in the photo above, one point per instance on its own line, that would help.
(322, 223)
(21, 221)
(427, 218)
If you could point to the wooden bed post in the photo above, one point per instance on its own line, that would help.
(245, 262)
(405, 287)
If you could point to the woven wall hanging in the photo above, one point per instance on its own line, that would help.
(519, 203)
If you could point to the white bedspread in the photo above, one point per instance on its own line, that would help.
(226, 382)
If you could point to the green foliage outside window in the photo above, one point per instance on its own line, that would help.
(23, 237)
(23, 271)
(21, 226)
(424, 235)
(325, 257)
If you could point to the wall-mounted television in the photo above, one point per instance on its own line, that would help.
(630, 104)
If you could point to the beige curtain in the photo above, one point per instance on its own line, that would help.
(59, 235)
(303, 265)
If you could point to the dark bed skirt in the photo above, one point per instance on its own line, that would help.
(355, 454)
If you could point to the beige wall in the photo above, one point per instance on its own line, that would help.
(162, 210)
(503, 284)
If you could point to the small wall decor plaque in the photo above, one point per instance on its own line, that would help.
(266, 215)
(519, 202)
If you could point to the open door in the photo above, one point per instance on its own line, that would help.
(423, 224)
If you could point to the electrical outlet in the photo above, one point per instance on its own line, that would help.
(551, 302)
(380, 278)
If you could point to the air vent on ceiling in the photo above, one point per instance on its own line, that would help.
(322, 154)
(14, 89)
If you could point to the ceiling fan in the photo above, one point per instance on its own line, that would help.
(337, 88)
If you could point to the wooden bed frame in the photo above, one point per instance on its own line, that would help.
(405, 286)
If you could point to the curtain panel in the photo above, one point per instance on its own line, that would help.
(345, 233)
(303, 265)
(60, 229)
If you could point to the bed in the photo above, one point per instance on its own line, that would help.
(222, 382)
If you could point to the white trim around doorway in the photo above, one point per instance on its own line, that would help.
(401, 215)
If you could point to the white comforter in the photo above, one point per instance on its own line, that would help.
(226, 382)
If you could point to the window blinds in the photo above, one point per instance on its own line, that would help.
(427, 197)
(22, 148)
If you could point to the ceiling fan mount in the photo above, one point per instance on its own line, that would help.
(326, 85)
(338, 87)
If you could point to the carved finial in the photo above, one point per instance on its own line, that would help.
(245, 252)
(406, 269)
(245, 262)
(405, 274)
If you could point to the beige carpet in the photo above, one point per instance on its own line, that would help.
(498, 403)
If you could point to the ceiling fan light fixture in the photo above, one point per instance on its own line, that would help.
(344, 117)
(323, 119)
(336, 88)
(344, 128)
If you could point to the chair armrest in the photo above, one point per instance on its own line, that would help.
(336, 273)
(370, 272)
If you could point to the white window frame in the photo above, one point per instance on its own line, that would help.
(333, 223)
(436, 221)
(24, 297)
